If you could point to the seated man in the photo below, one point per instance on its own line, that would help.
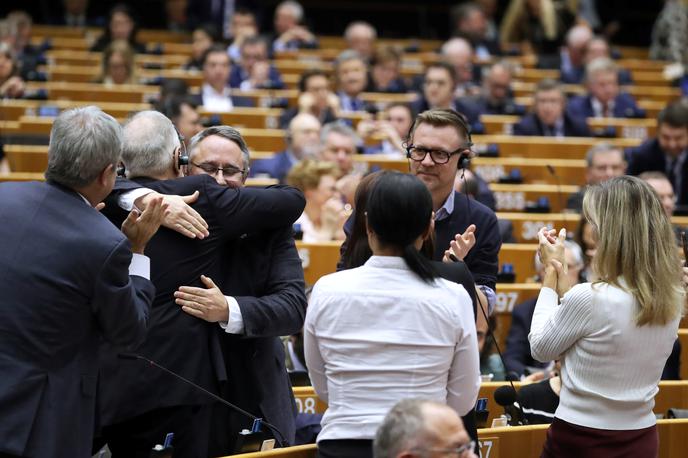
(351, 72)
(254, 71)
(303, 141)
(242, 26)
(215, 95)
(668, 152)
(603, 99)
(596, 47)
(517, 356)
(570, 55)
(496, 97)
(471, 24)
(315, 97)
(458, 52)
(603, 162)
(290, 33)
(360, 36)
(181, 110)
(549, 118)
(339, 144)
(385, 71)
(388, 133)
(662, 186)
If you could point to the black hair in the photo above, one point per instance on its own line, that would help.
(208, 29)
(449, 68)
(171, 106)
(127, 11)
(308, 74)
(214, 49)
(674, 114)
(399, 209)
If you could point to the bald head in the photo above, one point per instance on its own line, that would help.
(150, 145)
(459, 53)
(304, 135)
(360, 36)
(577, 40)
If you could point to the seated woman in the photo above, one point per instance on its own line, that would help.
(118, 64)
(614, 335)
(390, 329)
(202, 38)
(11, 84)
(121, 26)
(324, 216)
(385, 73)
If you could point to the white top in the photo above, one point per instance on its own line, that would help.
(378, 334)
(217, 102)
(610, 367)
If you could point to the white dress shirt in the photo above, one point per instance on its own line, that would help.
(217, 102)
(599, 110)
(378, 334)
(610, 368)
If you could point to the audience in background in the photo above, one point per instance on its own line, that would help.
(351, 73)
(668, 151)
(177, 20)
(360, 36)
(254, 71)
(532, 24)
(571, 55)
(339, 145)
(290, 33)
(118, 66)
(12, 86)
(496, 97)
(323, 218)
(490, 362)
(459, 53)
(662, 186)
(315, 98)
(549, 117)
(385, 71)
(181, 110)
(216, 96)
(202, 38)
(603, 161)
(596, 48)
(471, 24)
(243, 25)
(121, 26)
(75, 14)
(604, 100)
(26, 55)
(670, 33)
(303, 142)
(389, 133)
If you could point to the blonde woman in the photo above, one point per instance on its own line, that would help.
(615, 334)
(533, 24)
(118, 64)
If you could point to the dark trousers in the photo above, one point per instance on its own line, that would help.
(345, 448)
(136, 437)
(566, 440)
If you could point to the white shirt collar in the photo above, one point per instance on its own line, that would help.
(217, 101)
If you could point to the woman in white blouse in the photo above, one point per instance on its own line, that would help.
(615, 334)
(390, 329)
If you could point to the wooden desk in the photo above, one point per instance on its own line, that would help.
(13, 110)
(318, 259)
(92, 92)
(298, 451)
(516, 197)
(546, 147)
(622, 127)
(20, 176)
(522, 257)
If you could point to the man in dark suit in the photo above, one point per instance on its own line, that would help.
(496, 97)
(303, 140)
(262, 272)
(549, 118)
(140, 406)
(596, 47)
(471, 24)
(253, 70)
(69, 279)
(215, 95)
(667, 153)
(315, 97)
(603, 162)
(603, 99)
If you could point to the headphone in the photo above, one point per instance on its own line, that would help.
(464, 159)
(183, 157)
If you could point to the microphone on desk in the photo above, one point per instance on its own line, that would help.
(256, 421)
(506, 397)
(554, 173)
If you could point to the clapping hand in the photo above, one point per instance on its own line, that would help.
(552, 246)
(141, 227)
(461, 245)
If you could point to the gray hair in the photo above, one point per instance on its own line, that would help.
(346, 56)
(341, 129)
(401, 428)
(227, 132)
(149, 143)
(360, 25)
(601, 148)
(570, 246)
(295, 7)
(599, 65)
(83, 143)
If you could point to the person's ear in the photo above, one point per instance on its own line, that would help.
(104, 176)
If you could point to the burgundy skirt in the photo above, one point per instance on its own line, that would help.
(566, 440)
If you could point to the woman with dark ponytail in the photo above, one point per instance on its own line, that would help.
(391, 328)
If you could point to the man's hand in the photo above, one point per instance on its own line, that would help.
(139, 228)
(461, 245)
(207, 304)
(180, 217)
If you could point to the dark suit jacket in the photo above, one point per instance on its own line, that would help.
(238, 75)
(580, 107)
(505, 107)
(263, 273)
(650, 157)
(64, 285)
(517, 355)
(577, 75)
(237, 100)
(277, 166)
(181, 342)
(531, 125)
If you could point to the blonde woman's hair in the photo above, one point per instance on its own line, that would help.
(515, 21)
(636, 243)
(124, 48)
(306, 174)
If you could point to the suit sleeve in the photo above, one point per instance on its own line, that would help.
(121, 303)
(482, 260)
(245, 210)
(282, 309)
(517, 353)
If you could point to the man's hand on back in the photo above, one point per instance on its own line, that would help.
(180, 217)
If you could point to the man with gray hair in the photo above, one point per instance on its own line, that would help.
(290, 34)
(136, 410)
(604, 161)
(360, 36)
(351, 72)
(263, 272)
(339, 145)
(69, 281)
(417, 428)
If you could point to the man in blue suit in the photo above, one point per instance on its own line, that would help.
(215, 95)
(254, 71)
(603, 99)
(68, 280)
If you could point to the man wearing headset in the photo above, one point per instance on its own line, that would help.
(140, 404)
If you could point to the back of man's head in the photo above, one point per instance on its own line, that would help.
(83, 142)
(150, 142)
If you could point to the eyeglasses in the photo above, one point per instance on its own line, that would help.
(459, 451)
(418, 153)
(227, 172)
